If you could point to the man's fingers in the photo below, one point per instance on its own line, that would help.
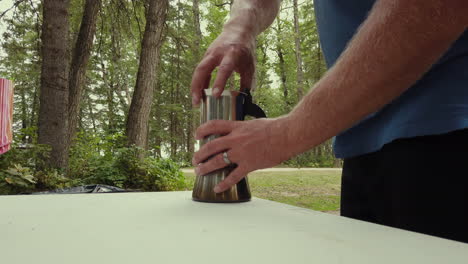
(215, 163)
(214, 127)
(209, 149)
(225, 70)
(234, 177)
(201, 75)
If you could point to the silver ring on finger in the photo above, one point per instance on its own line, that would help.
(226, 158)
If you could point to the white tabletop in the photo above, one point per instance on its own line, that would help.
(171, 228)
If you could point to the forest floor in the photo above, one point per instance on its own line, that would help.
(309, 188)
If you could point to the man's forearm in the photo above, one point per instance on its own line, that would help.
(394, 47)
(252, 16)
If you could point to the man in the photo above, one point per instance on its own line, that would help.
(396, 95)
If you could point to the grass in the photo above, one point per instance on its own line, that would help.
(317, 190)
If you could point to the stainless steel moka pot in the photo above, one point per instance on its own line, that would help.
(231, 105)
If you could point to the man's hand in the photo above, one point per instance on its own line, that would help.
(233, 50)
(252, 145)
(230, 52)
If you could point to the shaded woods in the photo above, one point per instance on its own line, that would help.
(102, 87)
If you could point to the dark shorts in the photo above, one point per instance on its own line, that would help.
(418, 184)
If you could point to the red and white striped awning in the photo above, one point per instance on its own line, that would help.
(6, 114)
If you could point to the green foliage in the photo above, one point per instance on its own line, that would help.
(93, 160)
(99, 154)
(20, 61)
(310, 160)
(319, 157)
(53, 179)
(149, 174)
(28, 155)
(106, 161)
(22, 170)
(16, 179)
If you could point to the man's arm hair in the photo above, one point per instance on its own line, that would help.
(252, 16)
(233, 49)
(397, 44)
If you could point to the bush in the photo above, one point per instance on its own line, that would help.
(105, 160)
(310, 160)
(149, 174)
(32, 156)
(93, 160)
(17, 179)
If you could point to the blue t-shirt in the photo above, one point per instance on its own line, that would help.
(436, 104)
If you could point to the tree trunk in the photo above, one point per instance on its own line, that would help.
(81, 54)
(109, 87)
(198, 33)
(262, 74)
(140, 108)
(279, 51)
(91, 115)
(171, 99)
(158, 126)
(319, 63)
(283, 73)
(53, 117)
(24, 112)
(81, 117)
(297, 39)
(33, 110)
(179, 136)
(191, 120)
(35, 103)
